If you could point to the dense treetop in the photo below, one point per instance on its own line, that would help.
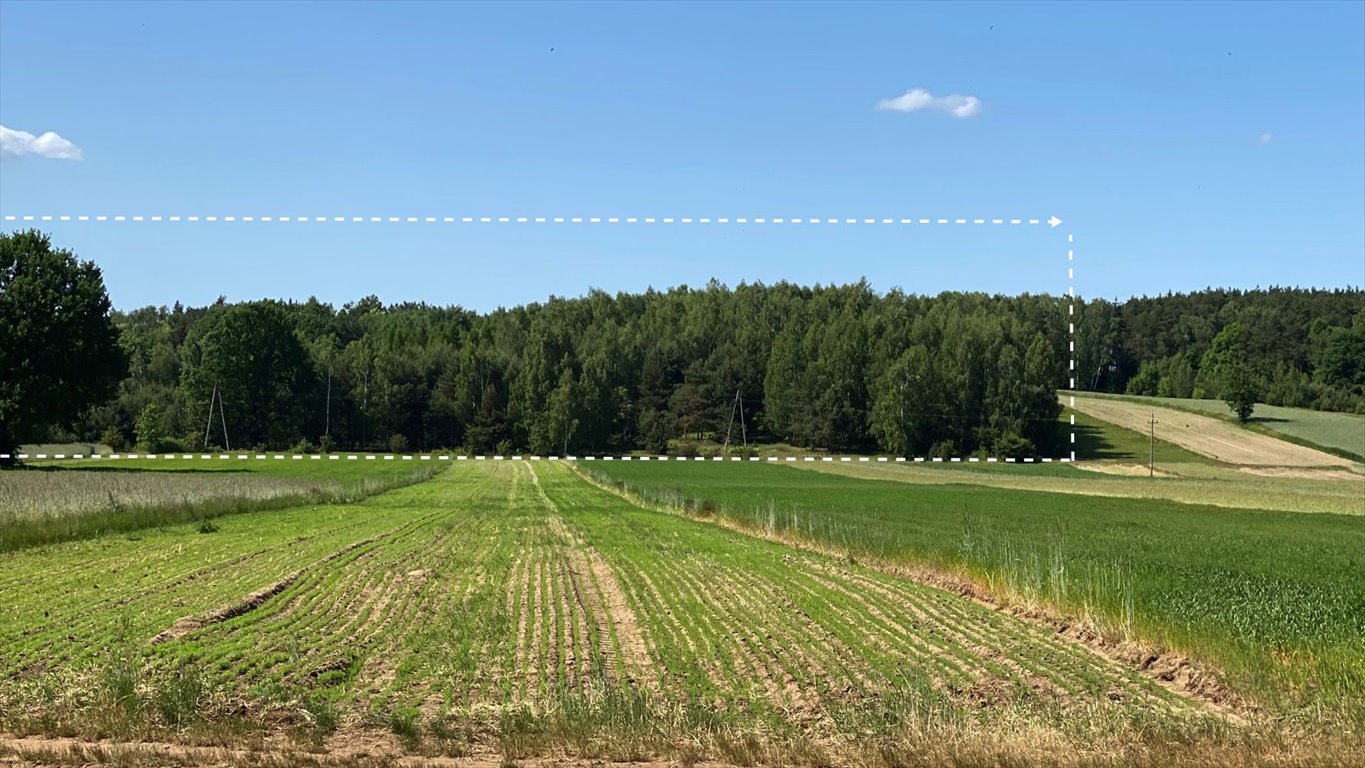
(59, 350)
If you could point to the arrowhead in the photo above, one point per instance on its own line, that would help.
(1054, 221)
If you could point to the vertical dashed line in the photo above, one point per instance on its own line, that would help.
(1071, 332)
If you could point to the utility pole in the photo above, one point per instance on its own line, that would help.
(737, 403)
(223, 418)
(743, 428)
(1151, 449)
(725, 448)
(209, 422)
(328, 429)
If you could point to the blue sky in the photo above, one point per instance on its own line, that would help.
(1183, 145)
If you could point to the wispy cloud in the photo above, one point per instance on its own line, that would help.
(16, 143)
(1266, 138)
(916, 99)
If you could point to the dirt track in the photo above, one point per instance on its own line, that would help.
(1205, 435)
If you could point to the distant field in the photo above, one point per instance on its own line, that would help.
(1188, 483)
(1098, 440)
(1261, 593)
(1205, 435)
(1340, 431)
(511, 610)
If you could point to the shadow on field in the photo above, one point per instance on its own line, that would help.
(1092, 443)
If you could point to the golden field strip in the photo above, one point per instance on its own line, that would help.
(515, 611)
(1205, 435)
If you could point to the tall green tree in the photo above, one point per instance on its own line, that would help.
(906, 411)
(561, 418)
(1226, 369)
(59, 349)
(1338, 354)
(265, 383)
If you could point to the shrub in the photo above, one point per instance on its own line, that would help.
(398, 443)
(322, 711)
(122, 672)
(944, 449)
(179, 695)
(1012, 445)
(114, 438)
(405, 723)
(149, 429)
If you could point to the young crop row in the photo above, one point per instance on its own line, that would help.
(755, 627)
(1258, 593)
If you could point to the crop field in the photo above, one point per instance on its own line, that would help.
(1098, 440)
(1258, 594)
(1341, 492)
(511, 611)
(1339, 431)
(1206, 435)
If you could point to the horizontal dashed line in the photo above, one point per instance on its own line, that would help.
(807, 220)
(515, 457)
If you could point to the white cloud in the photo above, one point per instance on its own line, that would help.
(1265, 138)
(15, 143)
(916, 99)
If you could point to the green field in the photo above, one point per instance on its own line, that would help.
(1187, 483)
(1341, 433)
(514, 610)
(1258, 593)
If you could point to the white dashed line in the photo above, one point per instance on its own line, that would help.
(449, 219)
(466, 457)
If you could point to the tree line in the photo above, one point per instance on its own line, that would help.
(839, 367)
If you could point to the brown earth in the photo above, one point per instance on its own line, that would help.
(356, 750)
(1307, 474)
(1121, 468)
(992, 748)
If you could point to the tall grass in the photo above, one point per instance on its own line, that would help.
(40, 507)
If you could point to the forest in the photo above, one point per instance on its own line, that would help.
(840, 367)
(830, 367)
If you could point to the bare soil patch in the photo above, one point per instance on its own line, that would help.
(345, 750)
(1121, 468)
(1307, 474)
